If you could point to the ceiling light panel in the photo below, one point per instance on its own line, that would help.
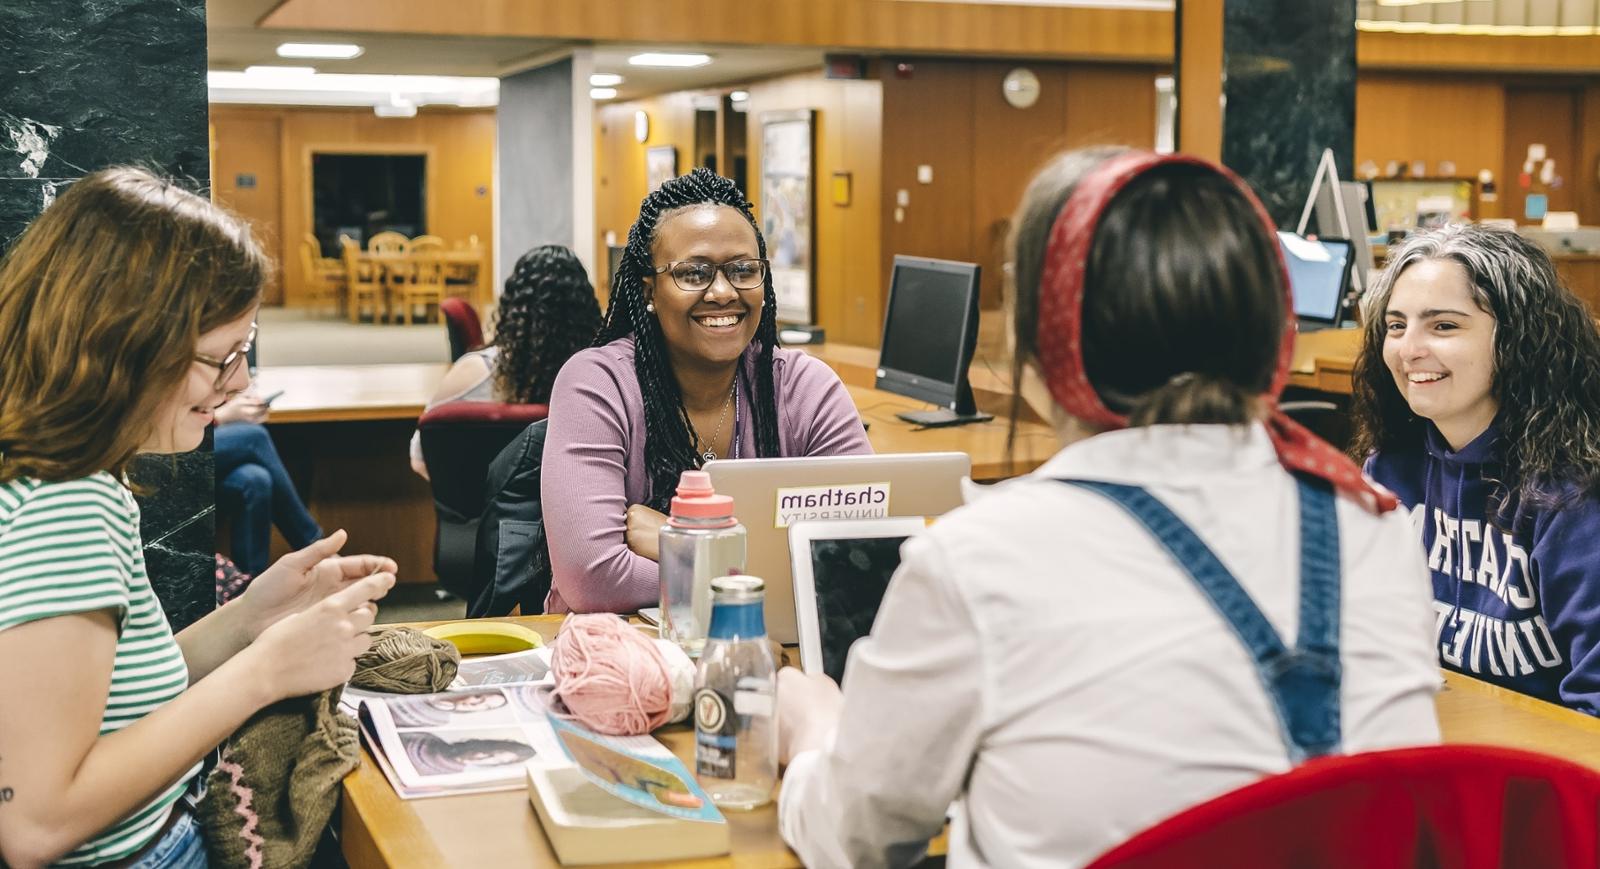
(319, 50)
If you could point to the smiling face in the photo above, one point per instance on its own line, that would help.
(713, 327)
(1439, 347)
(181, 420)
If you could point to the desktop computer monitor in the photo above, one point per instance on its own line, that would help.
(929, 334)
(1319, 277)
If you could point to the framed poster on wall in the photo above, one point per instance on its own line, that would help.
(660, 165)
(788, 196)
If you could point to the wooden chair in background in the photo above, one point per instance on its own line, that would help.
(325, 278)
(427, 244)
(425, 288)
(364, 280)
(388, 243)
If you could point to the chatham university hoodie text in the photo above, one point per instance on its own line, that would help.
(1519, 609)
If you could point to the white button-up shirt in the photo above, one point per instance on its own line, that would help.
(1041, 658)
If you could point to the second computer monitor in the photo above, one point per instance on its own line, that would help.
(929, 334)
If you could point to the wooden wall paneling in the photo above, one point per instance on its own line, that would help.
(1111, 105)
(621, 182)
(1433, 52)
(950, 27)
(928, 120)
(846, 257)
(1434, 118)
(1548, 116)
(1585, 177)
(250, 145)
(1199, 78)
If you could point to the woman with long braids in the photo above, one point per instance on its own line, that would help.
(546, 313)
(1477, 398)
(686, 368)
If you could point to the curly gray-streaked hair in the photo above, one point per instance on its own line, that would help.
(1546, 367)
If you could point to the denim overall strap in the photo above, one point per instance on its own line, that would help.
(1303, 682)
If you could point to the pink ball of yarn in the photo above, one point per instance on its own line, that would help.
(610, 676)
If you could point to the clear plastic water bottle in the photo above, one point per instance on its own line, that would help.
(700, 542)
(735, 700)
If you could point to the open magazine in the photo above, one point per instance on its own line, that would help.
(475, 737)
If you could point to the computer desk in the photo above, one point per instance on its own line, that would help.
(1325, 360)
(343, 433)
(378, 829)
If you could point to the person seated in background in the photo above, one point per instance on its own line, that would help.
(125, 309)
(686, 369)
(547, 312)
(1067, 654)
(1477, 398)
(254, 487)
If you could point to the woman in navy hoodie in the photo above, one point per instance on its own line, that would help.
(1477, 397)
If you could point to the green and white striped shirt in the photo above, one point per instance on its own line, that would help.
(73, 547)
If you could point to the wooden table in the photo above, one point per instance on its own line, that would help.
(378, 829)
(482, 285)
(343, 433)
(1325, 360)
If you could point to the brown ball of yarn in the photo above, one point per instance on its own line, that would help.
(406, 661)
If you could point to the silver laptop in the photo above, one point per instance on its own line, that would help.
(769, 495)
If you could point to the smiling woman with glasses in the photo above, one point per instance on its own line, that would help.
(126, 310)
(685, 369)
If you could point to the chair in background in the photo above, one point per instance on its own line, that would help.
(461, 321)
(427, 244)
(325, 278)
(364, 283)
(388, 243)
(459, 440)
(1325, 419)
(424, 287)
(1448, 806)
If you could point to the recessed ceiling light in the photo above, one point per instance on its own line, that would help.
(605, 80)
(279, 70)
(660, 58)
(739, 96)
(602, 93)
(320, 50)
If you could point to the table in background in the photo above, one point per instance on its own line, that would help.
(378, 829)
(480, 288)
(343, 433)
(1325, 360)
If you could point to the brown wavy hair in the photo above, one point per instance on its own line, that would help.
(103, 300)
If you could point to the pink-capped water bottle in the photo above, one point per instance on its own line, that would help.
(700, 542)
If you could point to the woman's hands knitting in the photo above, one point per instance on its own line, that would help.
(304, 578)
(316, 648)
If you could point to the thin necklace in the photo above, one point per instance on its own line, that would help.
(711, 454)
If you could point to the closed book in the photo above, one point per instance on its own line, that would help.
(587, 824)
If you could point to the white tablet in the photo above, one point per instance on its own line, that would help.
(841, 569)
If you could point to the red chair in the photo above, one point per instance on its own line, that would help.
(459, 440)
(1452, 807)
(461, 322)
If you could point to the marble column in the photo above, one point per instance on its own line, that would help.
(1289, 91)
(86, 84)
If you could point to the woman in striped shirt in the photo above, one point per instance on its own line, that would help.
(124, 313)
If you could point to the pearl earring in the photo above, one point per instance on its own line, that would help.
(650, 306)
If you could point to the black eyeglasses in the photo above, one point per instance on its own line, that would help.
(697, 277)
(228, 365)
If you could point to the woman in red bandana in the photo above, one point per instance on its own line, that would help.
(1194, 593)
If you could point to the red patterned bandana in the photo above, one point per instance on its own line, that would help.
(1061, 325)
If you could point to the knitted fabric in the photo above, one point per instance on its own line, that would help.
(276, 784)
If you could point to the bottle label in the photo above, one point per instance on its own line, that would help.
(716, 728)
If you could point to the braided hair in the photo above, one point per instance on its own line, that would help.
(669, 437)
(547, 313)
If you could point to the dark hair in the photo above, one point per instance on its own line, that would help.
(1546, 367)
(102, 302)
(669, 438)
(1183, 302)
(546, 313)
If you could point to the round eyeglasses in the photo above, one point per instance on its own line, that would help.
(228, 365)
(696, 277)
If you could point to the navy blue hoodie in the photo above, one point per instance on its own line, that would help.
(1520, 610)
